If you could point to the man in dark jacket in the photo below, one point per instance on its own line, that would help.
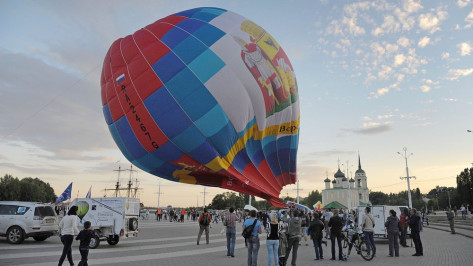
(414, 224)
(316, 233)
(336, 225)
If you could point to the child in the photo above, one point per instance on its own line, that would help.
(352, 236)
(84, 236)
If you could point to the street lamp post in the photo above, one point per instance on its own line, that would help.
(405, 156)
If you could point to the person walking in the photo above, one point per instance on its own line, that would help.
(282, 240)
(84, 236)
(253, 240)
(414, 224)
(392, 227)
(367, 225)
(304, 225)
(403, 219)
(316, 234)
(230, 223)
(68, 226)
(336, 225)
(327, 215)
(204, 222)
(463, 211)
(293, 236)
(272, 240)
(451, 220)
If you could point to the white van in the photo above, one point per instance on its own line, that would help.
(380, 214)
(111, 218)
(20, 220)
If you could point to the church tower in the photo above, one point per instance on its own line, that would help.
(361, 183)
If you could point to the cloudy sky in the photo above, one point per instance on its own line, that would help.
(373, 76)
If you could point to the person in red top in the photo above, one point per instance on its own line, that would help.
(403, 219)
(204, 222)
(183, 212)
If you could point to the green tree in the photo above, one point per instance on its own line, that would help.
(311, 199)
(26, 189)
(378, 198)
(465, 186)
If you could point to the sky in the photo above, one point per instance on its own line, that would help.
(373, 77)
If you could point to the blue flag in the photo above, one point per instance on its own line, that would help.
(65, 195)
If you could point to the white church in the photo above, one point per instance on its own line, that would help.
(344, 193)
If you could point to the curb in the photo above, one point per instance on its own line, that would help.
(465, 235)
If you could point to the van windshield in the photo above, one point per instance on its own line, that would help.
(44, 211)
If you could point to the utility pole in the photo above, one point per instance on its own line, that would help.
(159, 191)
(405, 156)
(298, 189)
(205, 192)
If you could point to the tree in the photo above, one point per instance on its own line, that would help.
(465, 186)
(26, 189)
(378, 198)
(312, 198)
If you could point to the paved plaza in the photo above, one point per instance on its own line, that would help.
(166, 243)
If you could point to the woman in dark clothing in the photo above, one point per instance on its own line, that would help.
(336, 224)
(316, 234)
(414, 224)
(392, 227)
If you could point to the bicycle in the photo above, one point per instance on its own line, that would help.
(361, 246)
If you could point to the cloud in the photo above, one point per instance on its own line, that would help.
(370, 124)
(469, 19)
(411, 6)
(390, 25)
(385, 72)
(431, 22)
(425, 88)
(445, 55)
(455, 74)
(423, 42)
(403, 41)
(399, 60)
(382, 91)
(450, 100)
(463, 3)
(331, 152)
(373, 130)
(366, 118)
(465, 48)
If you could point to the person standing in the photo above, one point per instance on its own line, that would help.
(204, 222)
(327, 215)
(367, 224)
(392, 227)
(68, 226)
(316, 234)
(84, 236)
(462, 210)
(253, 240)
(403, 219)
(304, 225)
(282, 239)
(272, 240)
(414, 224)
(230, 223)
(293, 235)
(336, 225)
(450, 217)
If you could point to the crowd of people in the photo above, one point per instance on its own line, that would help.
(287, 230)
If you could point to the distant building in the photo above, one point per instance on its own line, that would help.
(339, 193)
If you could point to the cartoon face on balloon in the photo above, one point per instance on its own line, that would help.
(83, 209)
(205, 96)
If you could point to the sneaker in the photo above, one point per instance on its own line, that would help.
(232, 255)
(316, 259)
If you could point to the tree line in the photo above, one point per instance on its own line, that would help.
(26, 189)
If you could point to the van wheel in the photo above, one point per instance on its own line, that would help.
(40, 238)
(94, 242)
(113, 240)
(15, 235)
(133, 224)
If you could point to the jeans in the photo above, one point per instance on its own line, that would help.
(393, 244)
(292, 243)
(201, 230)
(67, 250)
(231, 237)
(318, 248)
(339, 242)
(370, 241)
(403, 237)
(84, 253)
(253, 248)
(273, 246)
(417, 243)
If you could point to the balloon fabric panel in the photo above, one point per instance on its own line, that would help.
(174, 92)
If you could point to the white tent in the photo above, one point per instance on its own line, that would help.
(249, 207)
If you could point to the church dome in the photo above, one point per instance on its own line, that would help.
(352, 180)
(326, 180)
(339, 174)
(334, 181)
(360, 171)
(344, 179)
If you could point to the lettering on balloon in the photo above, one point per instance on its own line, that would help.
(286, 129)
(138, 119)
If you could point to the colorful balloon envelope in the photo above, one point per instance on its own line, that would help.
(205, 96)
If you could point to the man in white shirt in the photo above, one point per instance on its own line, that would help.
(327, 215)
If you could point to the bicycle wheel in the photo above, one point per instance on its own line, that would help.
(366, 251)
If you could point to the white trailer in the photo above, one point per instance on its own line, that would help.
(111, 218)
(380, 214)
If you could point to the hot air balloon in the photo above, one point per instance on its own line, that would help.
(83, 208)
(205, 96)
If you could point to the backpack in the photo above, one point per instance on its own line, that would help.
(205, 220)
(248, 231)
(294, 227)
